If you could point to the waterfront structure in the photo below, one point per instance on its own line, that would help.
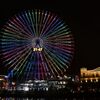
(89, 75)
(3, 82)
(42, 85)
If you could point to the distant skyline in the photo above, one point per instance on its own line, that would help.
(82, 18)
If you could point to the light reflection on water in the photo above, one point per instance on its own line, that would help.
(31, 98)
(14, 98)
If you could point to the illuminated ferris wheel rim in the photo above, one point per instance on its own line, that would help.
(44, 37)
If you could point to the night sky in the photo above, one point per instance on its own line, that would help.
(83, 19)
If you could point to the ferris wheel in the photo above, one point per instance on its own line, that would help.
(36, 44)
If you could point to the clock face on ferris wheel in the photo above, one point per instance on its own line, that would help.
(36, 44)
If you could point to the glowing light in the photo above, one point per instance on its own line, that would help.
(96, 80)
(91, 80)
(37, 49)
(46, 89)
(64, 82)
(26, 88)
(36, 44)
(13, 83)
(1, 79)
(65, 76)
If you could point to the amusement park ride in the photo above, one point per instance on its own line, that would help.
(36, 45)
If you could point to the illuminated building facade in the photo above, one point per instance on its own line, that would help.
(3, 82)
(41, 85)
(90, 75)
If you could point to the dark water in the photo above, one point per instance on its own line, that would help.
(14, 98)
(27, 98)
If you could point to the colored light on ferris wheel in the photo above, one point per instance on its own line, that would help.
(36, 44)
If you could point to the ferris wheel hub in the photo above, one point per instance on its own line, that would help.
(37, 44)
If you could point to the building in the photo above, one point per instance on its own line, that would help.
(3, 82)
(90, 75)
(42, 85)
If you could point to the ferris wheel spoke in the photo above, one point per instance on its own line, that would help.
(21, 63)
(20, 71)
(60, 31)
(50, 22)
(9, 48)
(25, 30)
(62, 38)
(17, 63)
(32, 22)
(25, 69)
(29, 68)
(17, 27)
(51, 70)
(12, 57)
(45, 22)
(26, 22)
(58, 59)
(53, 27)
(65, 34)
(13, 31)
(12, 35)
(57, 49)
(36, 22)
(54, 64)
(42, 21)
(44, 68)
(29, 21)
(23, 72)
